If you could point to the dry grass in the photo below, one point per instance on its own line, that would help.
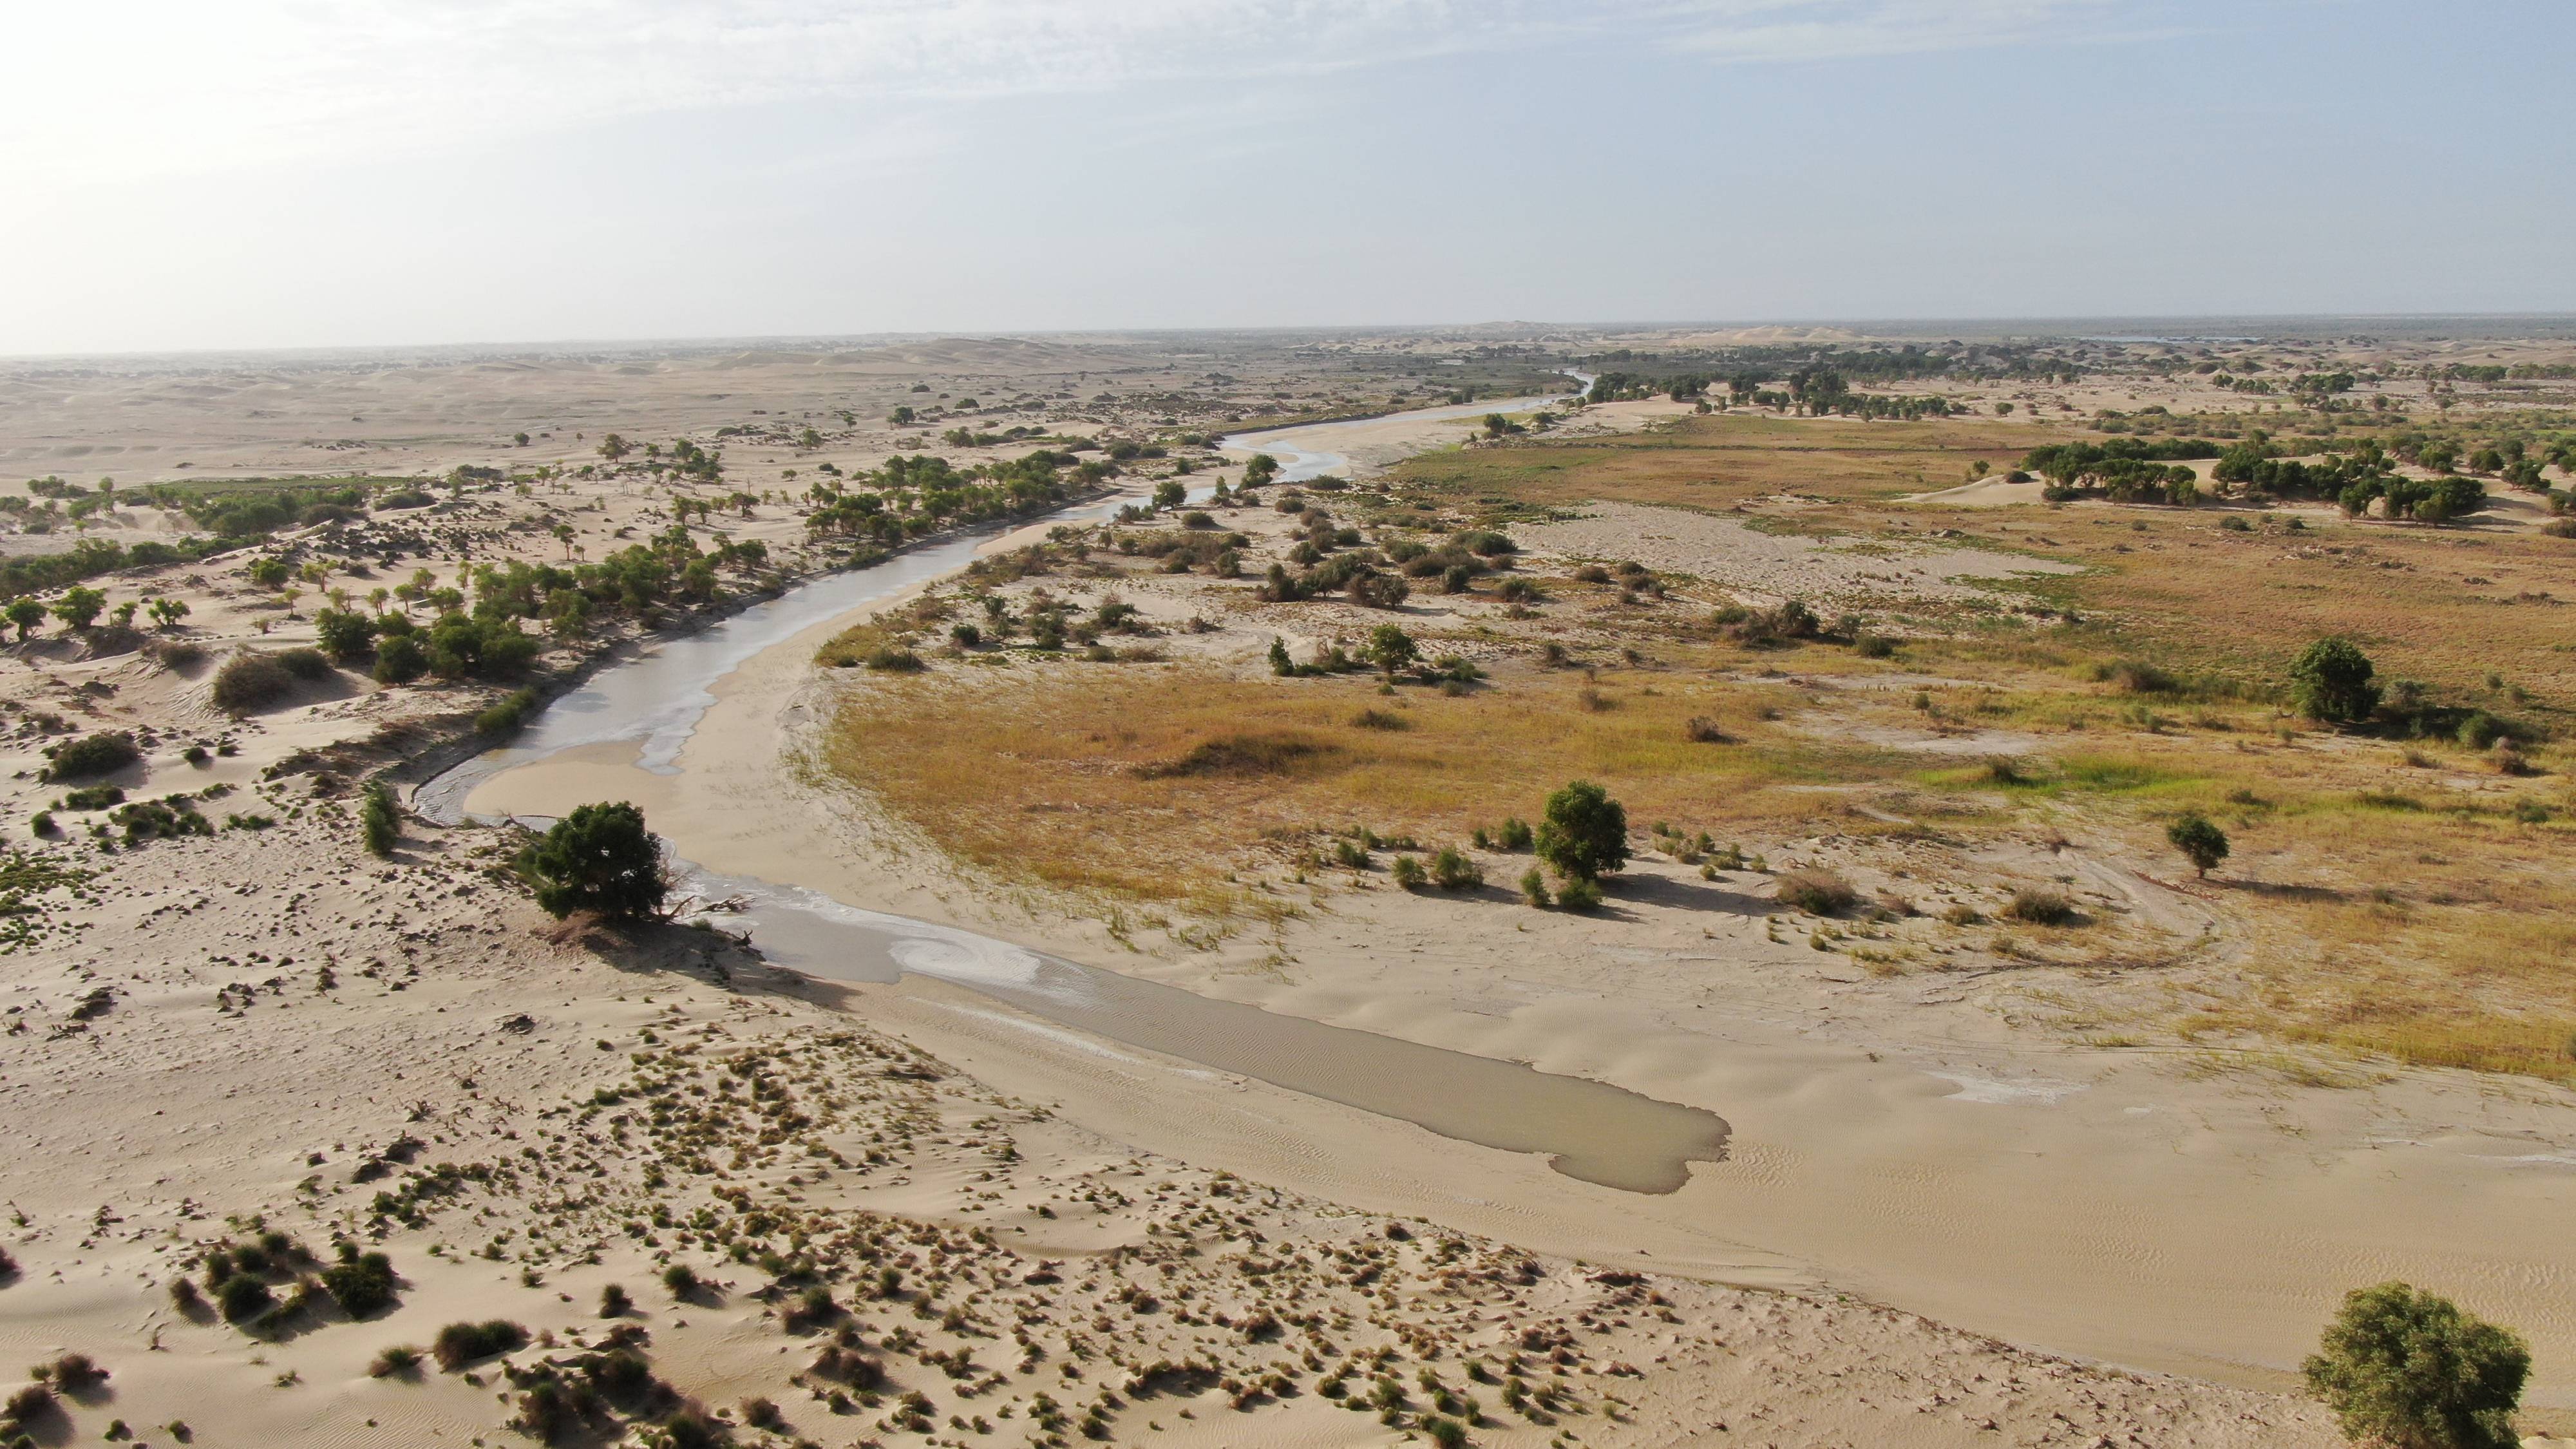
(1158, 783)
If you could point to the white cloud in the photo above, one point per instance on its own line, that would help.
(179, 87)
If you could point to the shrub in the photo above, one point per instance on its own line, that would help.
(305, 664)
(600, 858)
(91, 755)
(361, 1283)
(1817, 892)
(2481, 730)
(2331, 681)
(250, 681)
(459, 1344)
(2200, 842)
(895, 659)
(30, 1405)
(91, 797)
(242, 1298)
(1408, 872)
(1381, 719)
(1704, 731)
(400, 660)
(681, 1279)
(506, 716)
(346, 635)
(1873, 646)
(1451, 870)
(379, 820)
(1534, 888)
(2135, 676)
(2040, 907)
(1584, 832)
(2411, 1371)
(1514, 834)
(614, 1301)
(1580, 895)
(75, 1373)
(399, 1361)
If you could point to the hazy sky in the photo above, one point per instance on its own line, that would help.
(255, 173)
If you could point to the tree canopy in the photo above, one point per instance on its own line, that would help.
(602, 859)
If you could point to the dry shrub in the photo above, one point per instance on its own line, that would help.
(1704, 731)
(2035, 906)
(1241, 754)
(1818, 892)
(250, 681)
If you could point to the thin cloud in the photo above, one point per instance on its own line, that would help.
(182, 87)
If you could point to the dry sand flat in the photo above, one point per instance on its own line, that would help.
(1899, 1139)
(1773, 566)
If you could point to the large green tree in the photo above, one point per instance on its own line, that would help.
(2409, 1370)
(2331, 680)
(1584, 833)
(600, 858)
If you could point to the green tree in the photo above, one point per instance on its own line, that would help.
(2411, 1371)
(613, 447)
(1585, 832)
(2331, 679)
(599, 858)
(267, 573)
(167, 612)
(2201, 843)
(79, 606)
(1390, 649)
(26, 614)
(1280, 663)
(1170, 494)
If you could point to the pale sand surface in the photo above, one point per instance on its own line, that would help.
(1887, 1139)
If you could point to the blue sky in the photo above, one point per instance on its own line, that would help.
(293, 173)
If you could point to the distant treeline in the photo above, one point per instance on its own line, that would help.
(234, 515)
(1815, 390)
(2147, 470)
(1861, 365)
(912, 496)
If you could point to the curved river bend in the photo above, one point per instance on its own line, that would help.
(1589, 1130)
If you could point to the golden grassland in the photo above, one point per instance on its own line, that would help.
(2391, 897)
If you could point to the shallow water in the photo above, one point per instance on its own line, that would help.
(1588, 1130)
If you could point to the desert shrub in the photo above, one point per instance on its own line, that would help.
(32, 1404)
(614, 1301)
(1381, 719)
(1451, 870)
(91, 755)
(508, 714)
(459, 1344)
(1818, 892)
(1783, 623)
(691, 1428)
(1704, 731)
(1873, 646)
(1962, 914)
(1350, 853)
(175, 653)
(398, 1361)
(250, 681)
(9, 1267)
(762, 1413)
(91, 797)
(2331, 681)
(305, 663)
(847, 1366)
(379, 820)
(1580, 894)
(599, 858)
(1239, 754)
(345, 634)
(1408, 872)
(167, 818)
(1584, 832)
(242, 1298)
(2200, 842)
(894, 659)
(2411, 1371)
(1447, 1433)
(2481, 730)
(2136, 676)
(1519, 591)
(361, 1283)
(2039, 907)
(681, 1279)
(1534, 888)
(76, 1373)
(400, 659)
(1513, 834)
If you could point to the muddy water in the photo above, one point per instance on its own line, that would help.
(1588, 1130)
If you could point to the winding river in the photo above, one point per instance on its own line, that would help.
(1588, 1130)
